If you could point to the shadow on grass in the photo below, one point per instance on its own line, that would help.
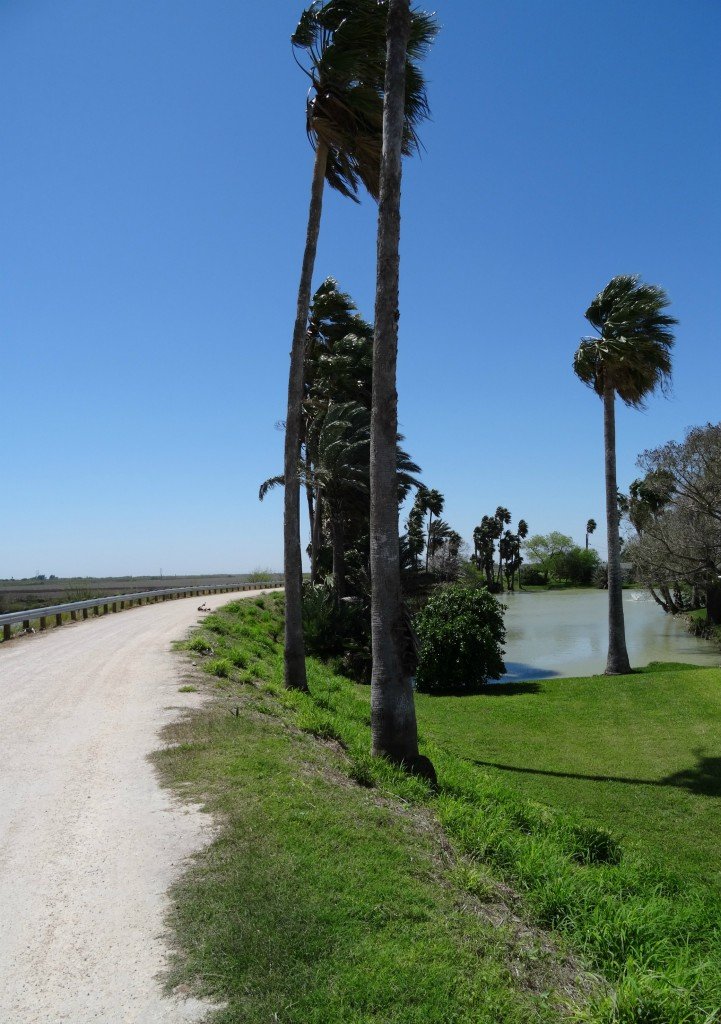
(492, 688)
(703, 779)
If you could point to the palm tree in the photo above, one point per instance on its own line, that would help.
(590, 528)
(343, 41)
(393, 717)
(521, 534)
(630, 358)
(434, 507)
(502, 517)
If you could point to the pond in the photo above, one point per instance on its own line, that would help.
(565, 633)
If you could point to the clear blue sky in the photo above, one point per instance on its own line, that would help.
(154, 182)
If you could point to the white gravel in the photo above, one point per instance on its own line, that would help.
(89, 842)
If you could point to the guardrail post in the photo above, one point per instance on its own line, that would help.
(73, 616)
(26, 623)
(6, 631)
(85, 613)
(105, 609)
(122, 606)
(58, 619)
(115, 606)
(43, 622)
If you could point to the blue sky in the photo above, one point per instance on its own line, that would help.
(154, 183)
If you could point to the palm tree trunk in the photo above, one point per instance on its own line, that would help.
(317, 536)
(617, 663)
(337, 542)
(430, 521)
(295, 675)
(713, 604)
(311, 511)
(393, 717)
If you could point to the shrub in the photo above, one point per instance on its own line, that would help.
(460, 634)
(338, 631)
(533, 576)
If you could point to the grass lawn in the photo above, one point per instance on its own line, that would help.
(640, 754)
(341, 889)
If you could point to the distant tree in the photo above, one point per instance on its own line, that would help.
(631, 357)
(434, 507)
(590, 528)
(543, 549)
(484, 547)
(502, 517)
(521, 533)
(676, 511)
(577, 566)
(415, 532)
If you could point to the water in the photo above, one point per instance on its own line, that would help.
(565, 633)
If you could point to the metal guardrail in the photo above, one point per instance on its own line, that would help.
(29, 615)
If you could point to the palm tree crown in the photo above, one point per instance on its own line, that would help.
(344, 45)
(633, 351)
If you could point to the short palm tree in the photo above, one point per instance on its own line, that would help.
(343, 42)
(631, 358)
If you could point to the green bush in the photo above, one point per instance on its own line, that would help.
(533, 576)
(460, 634)
(337, 631)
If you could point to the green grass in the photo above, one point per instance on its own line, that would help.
(327, 902)
(643, 913)
(640, 754)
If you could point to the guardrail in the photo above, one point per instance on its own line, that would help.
(118, 602)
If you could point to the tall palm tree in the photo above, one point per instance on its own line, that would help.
(590, 528)
(631, 357)
(434, 507)
(343, 43)
(502, 517)
(393, 717)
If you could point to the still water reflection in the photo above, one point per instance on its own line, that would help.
(565, 633)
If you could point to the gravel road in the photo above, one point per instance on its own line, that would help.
(89, 842)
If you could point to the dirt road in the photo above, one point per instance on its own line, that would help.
(89, 843)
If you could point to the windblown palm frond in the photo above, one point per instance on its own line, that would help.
(344, 45)
(269, 484)
(633, 350)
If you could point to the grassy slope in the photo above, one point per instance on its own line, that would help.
(640, 754)
(322, 902)
(653, 934)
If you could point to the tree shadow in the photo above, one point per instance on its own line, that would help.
(492, 688)
(501, 688)
(703, 779)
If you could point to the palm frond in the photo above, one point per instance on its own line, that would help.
(269, 484)
(343, 44)
(633, 349)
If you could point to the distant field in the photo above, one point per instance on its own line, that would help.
(640, 754)
(15, 595)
